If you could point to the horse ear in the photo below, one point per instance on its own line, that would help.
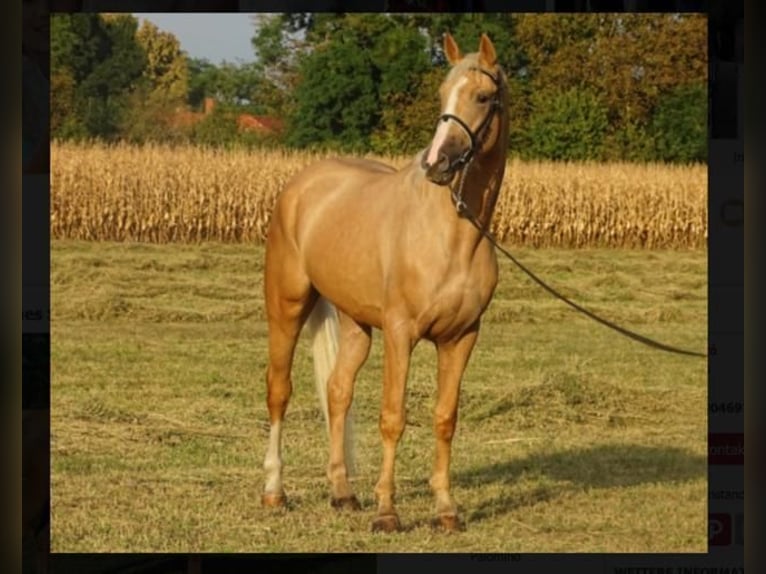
(451, 49)
(487, 54)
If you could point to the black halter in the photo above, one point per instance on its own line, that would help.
(478, 136)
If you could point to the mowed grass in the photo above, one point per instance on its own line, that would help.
(571, 438)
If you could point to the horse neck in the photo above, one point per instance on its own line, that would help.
(483, 180)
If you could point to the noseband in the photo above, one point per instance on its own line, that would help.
(477, 138)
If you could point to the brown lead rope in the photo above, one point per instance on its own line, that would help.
(462, 209)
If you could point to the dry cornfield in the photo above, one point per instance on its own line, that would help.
(163, 194)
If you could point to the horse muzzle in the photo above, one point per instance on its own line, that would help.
(440, 172)
(441, 168)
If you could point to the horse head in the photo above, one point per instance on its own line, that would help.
(472, 101)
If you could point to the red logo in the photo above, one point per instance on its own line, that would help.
(726, 448)
(719, 530)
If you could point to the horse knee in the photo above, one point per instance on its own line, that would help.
(391, 426)
(340, 392)
(444, 425)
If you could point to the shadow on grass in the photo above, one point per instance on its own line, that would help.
(565, 472)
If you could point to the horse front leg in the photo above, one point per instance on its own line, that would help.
(453, 357)
(397, 344)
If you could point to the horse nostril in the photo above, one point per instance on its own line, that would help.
(443, 163)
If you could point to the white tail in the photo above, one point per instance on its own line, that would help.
(322, 327)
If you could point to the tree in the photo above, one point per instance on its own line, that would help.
(408, 96)
(403, 50)
(279, 46)
(63, 119)
(679, 125)
(630, 61)
(219, 129)
(409, 120)
(166, 70)
(62, 86)
(567, 126)
(78, 42)
(203, 79)
(161, 90)
(121, 67)
(369, 82)
(336, 101)
(631, 78)
(353, 69)
(104, 92)
(96, 63)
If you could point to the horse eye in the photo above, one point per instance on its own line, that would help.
(482, 98)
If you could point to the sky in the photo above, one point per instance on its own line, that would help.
(215, 37)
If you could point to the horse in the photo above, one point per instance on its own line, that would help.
(354, 245)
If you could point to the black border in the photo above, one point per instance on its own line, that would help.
(726, 245)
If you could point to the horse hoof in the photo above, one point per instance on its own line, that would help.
(448, 523)
(346, 503)
(386, 523)
(273, 500)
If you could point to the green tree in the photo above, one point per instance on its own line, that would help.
(353, 69)
(468, 28)
(403, 50)
(274, 43)
(630, 61)
(78, 42)
(63, 43)
(160, 92)
(409, 119)
(631, 78)
(230, 84)
(97, 63)
(279, 46)
(219, 129)
(64, 122)
(405, 89)
(337, 100)
(630, 140)
(104, 93)
(679, 125)
(567, 126)
(203, 77)
(166, 70)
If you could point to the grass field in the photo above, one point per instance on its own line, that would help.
(570, 439)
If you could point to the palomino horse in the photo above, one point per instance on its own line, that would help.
(355, 244)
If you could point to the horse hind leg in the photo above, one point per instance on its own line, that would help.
(289, 299)
(341, 346)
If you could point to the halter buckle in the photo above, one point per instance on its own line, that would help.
(457, 199)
